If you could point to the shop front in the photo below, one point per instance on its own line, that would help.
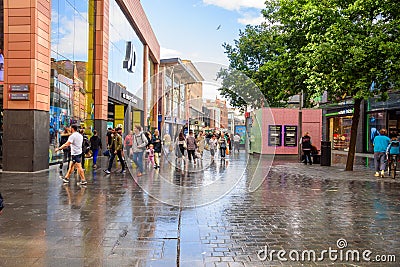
(125, 110)
(382, 114)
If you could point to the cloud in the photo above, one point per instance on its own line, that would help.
(236, 4)
(169, 53)
(248, 19)
(71, 38)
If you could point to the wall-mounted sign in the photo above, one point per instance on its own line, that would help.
(130, 58)
(290, 136)
(275, 135)
(19, 88)
(18, 96)
(340, 112)
(129, 98)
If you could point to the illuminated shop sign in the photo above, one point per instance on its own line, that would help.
(129, 98)
(130, 58)
(341, 112)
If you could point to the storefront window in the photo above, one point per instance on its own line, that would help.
(70, 88)
(375, 122)
(341, 129)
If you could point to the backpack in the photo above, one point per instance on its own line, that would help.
(85, 145)
(394, 148)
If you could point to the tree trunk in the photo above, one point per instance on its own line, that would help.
(353, 135)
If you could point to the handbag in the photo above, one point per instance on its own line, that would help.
(227, 151)
(106, 153)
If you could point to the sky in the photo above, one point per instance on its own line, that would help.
(196, 29)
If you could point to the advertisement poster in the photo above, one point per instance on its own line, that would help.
(241, 130)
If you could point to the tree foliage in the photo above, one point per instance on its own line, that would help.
(341, 47)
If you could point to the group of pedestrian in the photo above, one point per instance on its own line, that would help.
(194, 146)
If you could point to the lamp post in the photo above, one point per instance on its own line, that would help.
(300, 124)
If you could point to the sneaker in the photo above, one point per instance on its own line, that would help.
(107, 171)
(382, 173)
(123, 171)
(139, 174)
(83, 182)
(65, 180)
(376, 174)
(94, 166)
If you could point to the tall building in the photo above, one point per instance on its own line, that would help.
(180, 90)
(87, 62)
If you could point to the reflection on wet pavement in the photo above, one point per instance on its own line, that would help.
(220, 217)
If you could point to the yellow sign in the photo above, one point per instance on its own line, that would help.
(119, 113)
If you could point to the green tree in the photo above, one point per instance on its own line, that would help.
(341, 47)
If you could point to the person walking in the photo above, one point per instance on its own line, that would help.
(75, 140)
(67, 151)
(138, 147)
(213, 144)
(85, 147)
(201, 143)
(191, 147)
(181, 142)
(156, 141)
(306, 147)
(236, 142)
(95, 145)
(381, 142)
(128, 142)
(167, 145)
(115, 150)
(222, 145)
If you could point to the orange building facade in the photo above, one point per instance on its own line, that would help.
(89, 63)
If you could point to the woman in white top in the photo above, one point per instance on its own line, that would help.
(213, 144)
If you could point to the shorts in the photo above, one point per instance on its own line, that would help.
(77, 158)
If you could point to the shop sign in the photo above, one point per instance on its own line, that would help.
(274, 135)
(290, 136)
(129, 98)
(19, 88)
(340, 112)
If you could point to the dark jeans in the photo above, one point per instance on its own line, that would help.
(138, 159)
(191, 154)
(223, 151)
(380, 161)
(307, 156)
(66, 158)
(95, 154)
(112, 157)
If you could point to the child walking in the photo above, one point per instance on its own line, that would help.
(150, 153)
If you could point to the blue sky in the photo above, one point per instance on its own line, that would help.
(188, 28)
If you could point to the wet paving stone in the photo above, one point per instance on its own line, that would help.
(220, 217)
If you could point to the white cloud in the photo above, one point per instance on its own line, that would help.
(73, 38)
(169, 53)
(247, 19)
(236, 4)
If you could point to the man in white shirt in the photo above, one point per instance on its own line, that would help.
(75, 140)
(236, 142)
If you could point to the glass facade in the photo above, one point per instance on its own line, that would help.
(125, 48)
(71, 68)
